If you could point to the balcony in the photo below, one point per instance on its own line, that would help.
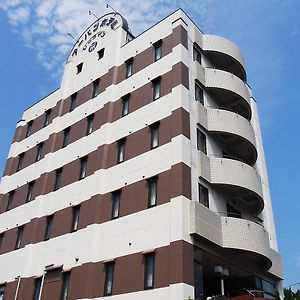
(233, 131)
(224, 55)
(237, 236)
(229, 91)
(236, 178)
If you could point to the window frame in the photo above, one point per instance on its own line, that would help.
(65, 285)
(29, 129)
(47, 117)
(10, 200)
(37, 288)
(58, 176)
(101, 53)
(201, 141)
(39, 151)
(199, 88)
(157, 50)
(2, 291)
(1, 239)
(49, 225)
(19, 237)
(109, 278)
(116, 202)
(154, 135)
(156, 88)
(125, 105)
(20, 162)
(66, 136)
(90, 124)
(83, 167)
(196, 54)
(29, 195)
(96, 88)
(152, 184)
(79, 68)
(204, 201)
(121, 144)
(129, 67)
(73, 100)
(75, 218)
(149, 270)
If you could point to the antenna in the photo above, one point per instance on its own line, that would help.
(109, 6)
(72, 37)
(91, 13)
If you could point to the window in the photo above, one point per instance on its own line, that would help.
(233, 212)
(89, 125)
(121, 151)
(10, 200)
(199, 94)
(156, 88)
(48, 227)
(96, 88)
(19, 237)
(157, 50)
(73, 102)
(75, 220)
(66, 137)
(47, 117)
(154, 141)
(109, 275)
(1, 240)
(101, 53)
(125, 105)
(37, 288)
(20, 162)
(65, 285)
(149, 270)
(29, 128)
(152, 191)
(203, 195)
(128, 67)
(79, 68)
(39, 151)
(29, 195)
(2, 289)
(83, 167)
(197, 55)
(201, 141)
(58, 175)
(116, 199)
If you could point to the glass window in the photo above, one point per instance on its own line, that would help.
(154, 141)
(101, 53)
(75, 220)
(79, 68)
(29, 195)
(65, 285)
(37, 288)
(19, 237)
(197, 55)
(47, 117)
(10, 200)
(90, 123)
(156, 88)
(20, 162)
(201, 141)
(203, 195)
(125, 105)
(73, 102)
(199, 94)
(2, 290)
(128, 67)
(39, 151)
(157, 50)
(1, 238)
(66, 137)
(48, 227)
(109, 275)
(96, 88)
(58, 175)
(152, 191)
(83, 167)
(149, 270)
(29, 128)
(121, 151)
(116, 199)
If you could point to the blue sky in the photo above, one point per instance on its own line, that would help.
(34, 45)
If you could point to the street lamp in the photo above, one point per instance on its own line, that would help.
(222, 273)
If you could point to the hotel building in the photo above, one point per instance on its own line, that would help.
(142, 177)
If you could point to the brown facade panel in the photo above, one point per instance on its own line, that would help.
(9, 240)
(181, 181)
(10, 290)
(180, 74)
(26, 289)
(62, 222)
(180, 36)
(52, 285)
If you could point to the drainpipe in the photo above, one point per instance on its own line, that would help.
(18, 287)
(42, 283)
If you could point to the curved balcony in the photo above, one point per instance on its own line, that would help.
(237, 236)
(224, 55)
(229, 91)
(233, 131)
(238, 179)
